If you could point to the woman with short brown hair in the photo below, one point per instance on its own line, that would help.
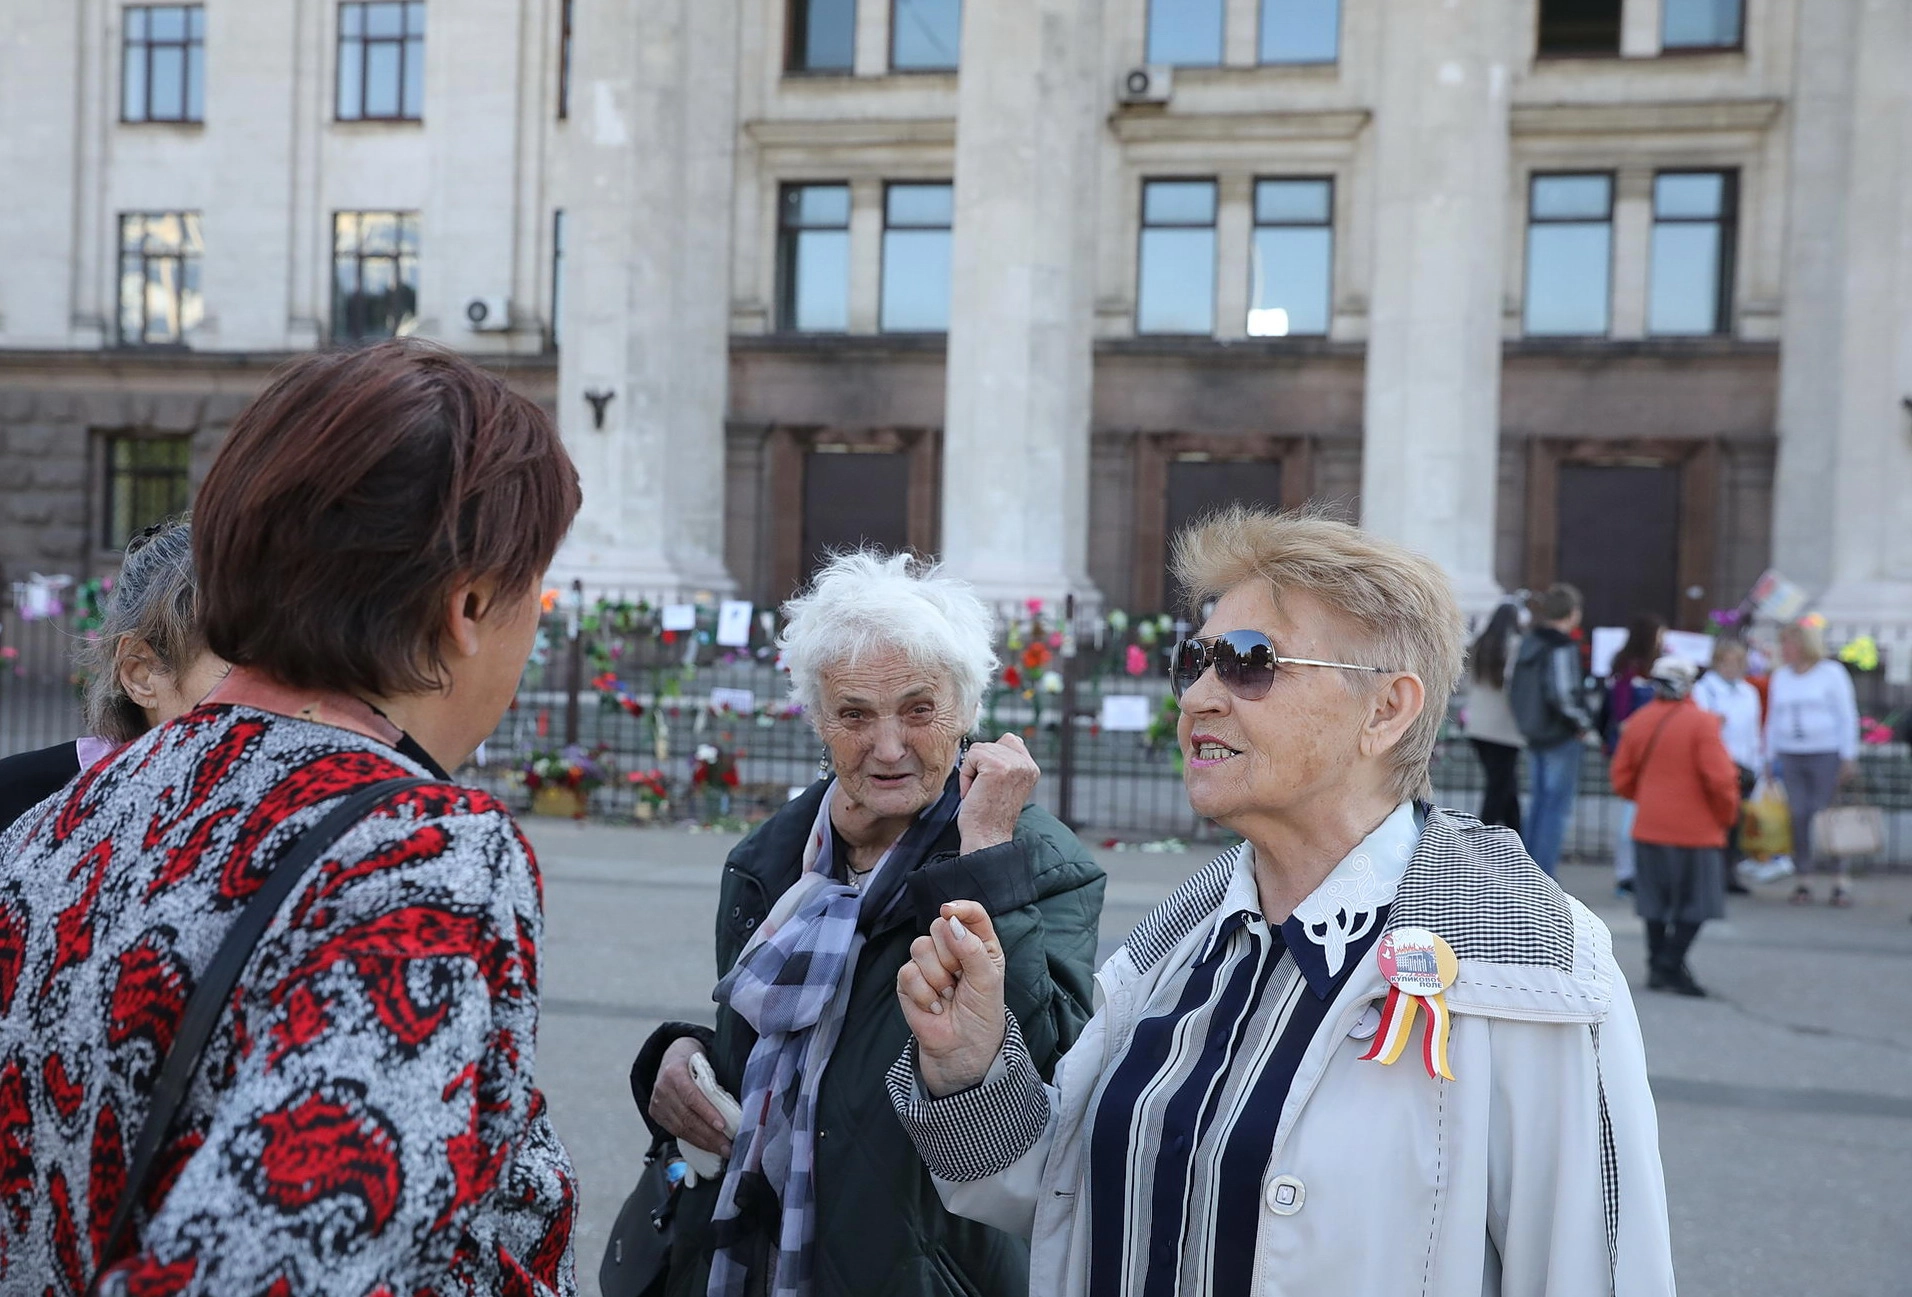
(368, 545)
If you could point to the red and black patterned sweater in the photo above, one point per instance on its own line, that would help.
(363, 1121)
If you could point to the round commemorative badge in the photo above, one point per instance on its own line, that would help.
(1416, 962)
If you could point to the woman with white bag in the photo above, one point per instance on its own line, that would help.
(1812, 741)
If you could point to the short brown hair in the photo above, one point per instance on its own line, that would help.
(1402, 603)
(350, 498)
(1557, 602)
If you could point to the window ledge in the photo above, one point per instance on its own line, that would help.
(839, 343)
(1670, 347)
(1189, 344)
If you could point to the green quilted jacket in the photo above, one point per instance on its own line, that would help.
(880, 1225)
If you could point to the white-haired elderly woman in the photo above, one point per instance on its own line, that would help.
(821, 1192)
(1373, 1050)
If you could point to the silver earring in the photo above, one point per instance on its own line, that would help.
(825, 765)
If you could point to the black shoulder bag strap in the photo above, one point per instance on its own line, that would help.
(214, 992)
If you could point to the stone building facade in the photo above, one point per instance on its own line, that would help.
(1618, 291)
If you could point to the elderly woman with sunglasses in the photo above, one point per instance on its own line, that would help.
(1371, 1050)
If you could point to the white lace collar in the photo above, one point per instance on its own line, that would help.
(1343, 910)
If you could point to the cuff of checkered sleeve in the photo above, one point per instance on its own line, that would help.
(979, 1132)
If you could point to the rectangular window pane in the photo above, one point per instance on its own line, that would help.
(810, 206)
(1580, 26)
(195, 82)
(169, 82)
(920, 206)
(378, 233)
(1572, 198)
(823, 35)
(1700, 24)
(925, 34)
(1300, 31)
(1689, 195)
(1568, 265)
(1176, 288)
(385, 19)
(351, 87)
(381, 78)
(132, 297)
(133, 82)
(915, 281)
(168, 23)
(415, 18)
(1292, 269)
(1293, 202)
(1685, 296)
(136, 24)
(1185, 32)
(414, 104)
(408, 233)
(819, 277)
(351, 20)
(1178, 202)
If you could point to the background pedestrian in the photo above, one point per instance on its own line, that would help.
(1672, 765)
(1725, 692)
(1548, 693)
(1628, 689)
(1490, 726)
(1812, 739)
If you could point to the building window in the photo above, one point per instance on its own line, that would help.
(147, 481)
(1187, 33)
(813, 259)
(382, 60)
(163, 69)
(1579, 27)
(1300, 31)
(916, 225)
(564, 59)
(159, 277)
(1701, 24)
(374, 275)
(822, 36)
(1292, 261)
(557, 274)
(925, 35)
(1175, 290)
(1692, 281)
(1569, 254)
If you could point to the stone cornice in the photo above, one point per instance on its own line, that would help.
(851, 133)
(1699, 116)
(1133, 126)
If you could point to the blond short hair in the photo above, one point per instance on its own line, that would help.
(1810, 636)
(1402, 603)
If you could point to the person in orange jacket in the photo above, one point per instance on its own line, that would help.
(1672, 764)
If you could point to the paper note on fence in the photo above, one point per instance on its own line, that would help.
(1607, 643)
(733, 623)
(741, 701)
(1687, 644)
(1127, 712)
(680, 616)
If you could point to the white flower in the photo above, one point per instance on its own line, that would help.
(1051, 682)
(706, 753)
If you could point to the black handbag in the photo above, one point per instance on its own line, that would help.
(213, 993)
(637, 1259)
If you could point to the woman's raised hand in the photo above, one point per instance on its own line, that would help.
(951, 993)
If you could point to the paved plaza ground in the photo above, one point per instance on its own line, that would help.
(1785, 1101)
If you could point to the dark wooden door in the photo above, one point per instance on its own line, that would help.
(851, 499)
(1199, 487)
(1619, 539)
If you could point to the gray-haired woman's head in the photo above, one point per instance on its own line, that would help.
(890, 658)
(148, 639)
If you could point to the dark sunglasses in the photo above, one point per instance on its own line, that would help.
(1245, 662)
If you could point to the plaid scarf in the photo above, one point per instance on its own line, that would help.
(792, 984)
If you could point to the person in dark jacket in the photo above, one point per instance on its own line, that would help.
(1550, 706)
(820, 1191)
(1628, 689)
(146, 664)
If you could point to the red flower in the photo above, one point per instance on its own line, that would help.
(730, 778)
(669, 637)
(1036, 656)
(1012, 677)
(630, 705)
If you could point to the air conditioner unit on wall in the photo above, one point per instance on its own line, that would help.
(1151, 84)
(488, 314)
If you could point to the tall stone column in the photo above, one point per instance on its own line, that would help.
(1842, 523)
(1428, 466)
(1016, 436)
(646, 333)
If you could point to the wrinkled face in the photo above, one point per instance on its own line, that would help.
(1280, 752)
(893, 729)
